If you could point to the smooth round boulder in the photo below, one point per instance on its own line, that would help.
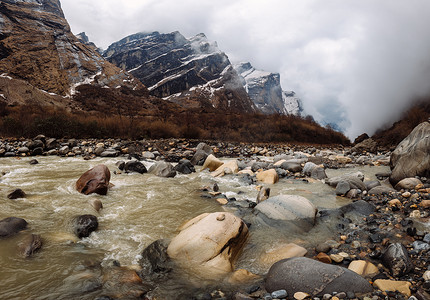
(162, 169)
(85, 224)
(95, 180)
(210, 243)
(412, 156)
(135, 166)
(291, 166)
(288, 208)
(12, 225)
(407, 183)
(303, 274)
(268, 177)
(342, 188)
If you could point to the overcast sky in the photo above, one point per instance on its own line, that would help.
(357, 63)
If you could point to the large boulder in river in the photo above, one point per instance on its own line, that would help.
(85, 224)
(162, 169)
(212, 163)
(412, 156)
(202, 152)
(289, 208)
(95, 180)
(355, 180)
(209, 243)
(11, 225)
(135, 166)
(303, 274)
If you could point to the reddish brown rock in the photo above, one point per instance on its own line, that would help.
(95, 180)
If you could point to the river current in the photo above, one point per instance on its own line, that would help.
(138, 209)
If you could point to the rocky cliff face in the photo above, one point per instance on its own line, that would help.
(264, 88)
(192, 72)
(37, 46)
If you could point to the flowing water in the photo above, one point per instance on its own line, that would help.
(138, 210)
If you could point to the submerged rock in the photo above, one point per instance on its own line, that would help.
(11, 225)
(16, 194)
(135, 166)
(30, 245)
(184, 166)
(316, 278)
(155, 262)
(95, 180)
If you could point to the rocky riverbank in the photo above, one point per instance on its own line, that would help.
(378, 248)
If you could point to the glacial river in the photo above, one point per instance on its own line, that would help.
(138, 210)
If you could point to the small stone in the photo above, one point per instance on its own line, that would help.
(336, 258)
(18, 193)
(425, 203)
(279, 294)
(395, 202)
(355, 244)
(415, 214)
(350, 295)
(363, 268)
(326, 297)
(322, 257)
(323, 247)
(215, 187)
(222, 201)
(406, 194)
(393, 286)
(341, 295)
(420, 246)
(301, 296)
(33, 162)
(221, 217)
(426, 238)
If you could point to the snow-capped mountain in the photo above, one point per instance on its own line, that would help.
(264, 89)
(192, 72)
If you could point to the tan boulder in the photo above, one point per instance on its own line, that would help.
(268, 177)
(393, 286)
(229, 167)
(210, 243)
(242, 276)
(212, 163)
(363, 268)
(282, 252)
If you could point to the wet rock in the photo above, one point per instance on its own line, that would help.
(184, 166)
(282, 252)
(135, 166)
(291, 166)
(323, 248)
(342, 188)
(51, 144)
(148, 155)
(162, 169)
(263, 194)
(95, 180)
(120, 164)
(96, 204)
(202, 152)
(210, 244)
(412, 156)
(229, 167)
(85, 224)
(16, 194)
(280, 294)
(268, 177)
(11, 225)
(63, 150)
(109, 153)
(324, 258)
(397, 260)
(33, 162)
(23, 150)
(393, 286)
(407, 184)
(37, 151)
(242, 276)
(371, 184)
(30, 244)
(289, 208)
(379, 190)
(318, 173)
(359, 207)
(212, 163)
(355, 180)
(155, 262)
(316, 278)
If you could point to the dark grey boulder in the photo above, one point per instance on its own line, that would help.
(18, 193)
(155, 262)
(11, 225)
(162, 169)
(35, 144)
(412, 156)
(318, 173)
(37, 151)
(303, 274)
(202, 152)
(135, 166)
(342, 188)
(85, 224)
(396, 259)
(371, 184)
(33, 162)
(51, 144)
(184, 166)
(360, 207)
(120, 164)
(291, 166)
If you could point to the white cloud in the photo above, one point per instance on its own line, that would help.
(358, 62)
